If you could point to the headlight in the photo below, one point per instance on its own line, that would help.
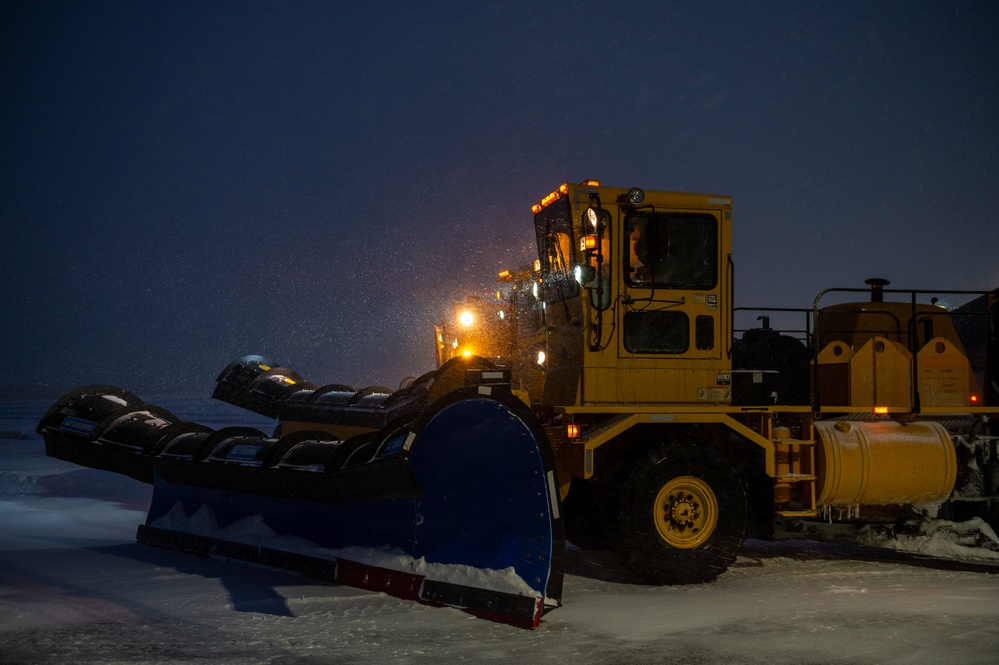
(466, 318)
(597, 218)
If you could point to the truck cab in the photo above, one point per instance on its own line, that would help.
(636, 289)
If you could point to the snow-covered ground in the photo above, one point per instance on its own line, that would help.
(76, 588)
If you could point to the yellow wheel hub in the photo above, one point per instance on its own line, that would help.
(686, 512)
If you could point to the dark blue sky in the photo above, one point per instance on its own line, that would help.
(184, 183)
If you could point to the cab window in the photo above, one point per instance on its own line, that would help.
(671, 250)
(656, 331)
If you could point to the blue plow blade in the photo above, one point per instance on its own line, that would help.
(486, 497)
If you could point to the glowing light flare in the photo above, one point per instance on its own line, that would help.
(466, 318)
(881, 410)
(974, 400)
(541, 358)
(466, 353)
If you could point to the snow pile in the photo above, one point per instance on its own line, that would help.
(254, 531)
(973, 539)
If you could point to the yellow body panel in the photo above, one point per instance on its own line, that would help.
(879, 373)
(944, 375)
(675, 382)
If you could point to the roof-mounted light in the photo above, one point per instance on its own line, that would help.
(635, 196)
(551, 198)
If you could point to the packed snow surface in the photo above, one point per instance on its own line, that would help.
(75, 587)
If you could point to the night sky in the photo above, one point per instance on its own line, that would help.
(184, 183)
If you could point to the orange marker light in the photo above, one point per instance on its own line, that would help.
(572, 431)
(974, 399)
(881, 410)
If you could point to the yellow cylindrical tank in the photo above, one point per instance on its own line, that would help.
(883, 462)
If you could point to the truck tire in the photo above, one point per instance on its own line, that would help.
(683, 515)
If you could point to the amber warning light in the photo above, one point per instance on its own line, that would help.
(572, 431)
(551, 198)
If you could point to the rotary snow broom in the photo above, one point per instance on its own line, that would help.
(443, 492)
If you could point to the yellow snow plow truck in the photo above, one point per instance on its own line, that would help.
(610, 391)
(678, 434)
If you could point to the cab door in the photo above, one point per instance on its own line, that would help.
(671, 316)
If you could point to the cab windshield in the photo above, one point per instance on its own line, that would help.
(553, 226)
